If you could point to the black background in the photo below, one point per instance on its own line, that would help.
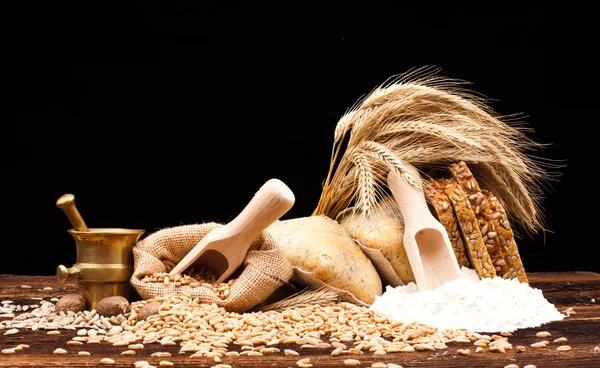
(159, 114)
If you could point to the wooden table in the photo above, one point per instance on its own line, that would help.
(580, 290)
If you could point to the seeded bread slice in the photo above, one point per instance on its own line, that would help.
(461, 172)
(506, 237)
(435, 192)
(469, 228)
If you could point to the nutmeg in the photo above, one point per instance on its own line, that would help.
(112, 306)
(70, 302)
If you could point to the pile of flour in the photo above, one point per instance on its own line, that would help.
(486, 305)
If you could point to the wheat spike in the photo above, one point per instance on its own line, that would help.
(308, 296)
(428, 121)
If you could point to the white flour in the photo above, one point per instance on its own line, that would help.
(487, 305)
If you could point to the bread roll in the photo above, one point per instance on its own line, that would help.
(323, 253)
(381, 238)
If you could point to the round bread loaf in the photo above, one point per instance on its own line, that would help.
(323, 253)
(380, 237)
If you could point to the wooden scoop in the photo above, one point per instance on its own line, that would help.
(224, 249)
(426, 241)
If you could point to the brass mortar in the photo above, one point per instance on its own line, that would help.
(104, 258)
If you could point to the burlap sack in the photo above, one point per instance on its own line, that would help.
(264, 270)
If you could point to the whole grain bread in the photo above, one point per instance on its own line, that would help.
(434, 190)
(475, 248)
(506, 237)
(461, 172)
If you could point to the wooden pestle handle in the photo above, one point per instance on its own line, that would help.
(268, 204)
(67, 203)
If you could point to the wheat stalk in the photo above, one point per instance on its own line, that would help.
(308, 296)
(428, 121)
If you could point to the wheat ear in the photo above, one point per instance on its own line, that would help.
(304, 297)
(428, 121)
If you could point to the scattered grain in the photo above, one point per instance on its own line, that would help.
(12, 331)
(543, 334)
(336, 345)
(290, 352)
(107, 361)
(83, 353)
(560, 340)
(521, 349)
(165, 363)
(538, 345)
(511, 366)
(74, 342)
(47, 288)
(563, 348)
(53, 332)
(424, 347)
(128, 352)
(351, 362)
(8, 351)
(337, 351)
(378, 365)
(59, 351)
(530, 366)
(160, 354)
(25, 287)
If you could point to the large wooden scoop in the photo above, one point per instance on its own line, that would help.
(426, 242)
(224, 249)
